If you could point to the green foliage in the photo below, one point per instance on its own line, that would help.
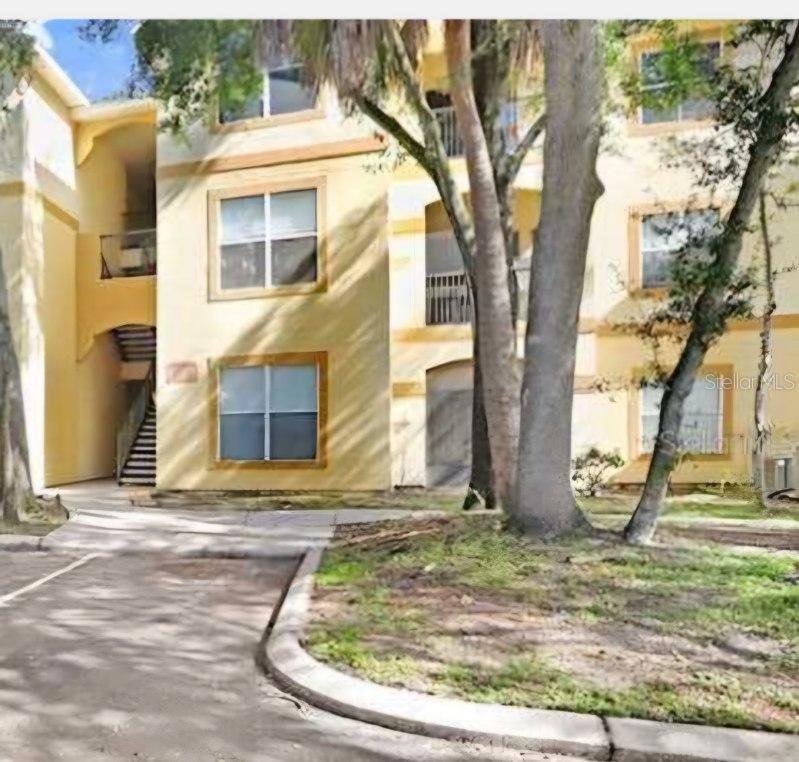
(590, 470)
(691, 594)
(710, 697)
(16, 47)
(194, 65)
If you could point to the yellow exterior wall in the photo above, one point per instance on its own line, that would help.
(370, 320)
(59, 307)
(349, 321)
(21, 248)
(619, 356)
(83, 397)
(104, 304)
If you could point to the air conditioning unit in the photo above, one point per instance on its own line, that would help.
(132, 259)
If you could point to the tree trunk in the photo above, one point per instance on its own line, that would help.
(573, 76)
(708, 318)
(496, 334)
(764, 365)
(15, 489)
(481, 488)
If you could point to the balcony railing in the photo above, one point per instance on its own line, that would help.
(128, 254)
(514, 120)
(447, 299)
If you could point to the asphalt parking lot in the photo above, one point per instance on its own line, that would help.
(151, 657)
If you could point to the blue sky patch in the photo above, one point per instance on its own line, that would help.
(101, 70)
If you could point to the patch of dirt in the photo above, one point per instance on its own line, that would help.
(779, 539)
(637, 645)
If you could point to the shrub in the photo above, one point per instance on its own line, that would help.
(590, 470)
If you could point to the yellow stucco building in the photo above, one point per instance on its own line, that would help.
(269, 304)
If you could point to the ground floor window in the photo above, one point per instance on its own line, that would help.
(270, 411)
(702, 426)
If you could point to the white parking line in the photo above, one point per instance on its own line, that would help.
(39, 582)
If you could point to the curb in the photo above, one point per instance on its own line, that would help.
(451, 719)
(542, 730)
(21, 542)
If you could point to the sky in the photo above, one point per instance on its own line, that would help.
(99, 69)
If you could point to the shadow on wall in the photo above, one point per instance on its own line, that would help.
(350, 322)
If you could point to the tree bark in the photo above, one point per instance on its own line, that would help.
(573, 79)
(764, 364)
(481, 486)
(708, 319)
(15, 489)
(496, 335)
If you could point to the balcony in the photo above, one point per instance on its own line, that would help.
(514, 119)
(129, 254)
(447, 299)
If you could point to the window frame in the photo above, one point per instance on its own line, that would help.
(319, 359)
(215, 199)
(650, 44)
(635, 223)
(268, 119)
(724, 374)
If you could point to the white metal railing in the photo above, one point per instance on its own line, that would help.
(128, 254)
(513, 117)
(447, 299)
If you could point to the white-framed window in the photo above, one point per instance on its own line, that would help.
(269, 412)
(688, 110)
(703, 416)
(268, 240)
(283, 92)
(664, 235)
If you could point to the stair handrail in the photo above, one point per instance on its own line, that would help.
(129, 426)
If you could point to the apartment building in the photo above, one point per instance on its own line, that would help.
(269, 303)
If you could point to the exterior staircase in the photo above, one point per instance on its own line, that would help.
(139, 467)
(135, 342)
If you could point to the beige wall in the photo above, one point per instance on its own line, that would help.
(349, 321)
(69, 367)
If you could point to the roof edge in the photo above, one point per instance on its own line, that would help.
(48, 68)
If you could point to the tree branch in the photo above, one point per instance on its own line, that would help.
(513, 160)
(394, 128)
(437, 163)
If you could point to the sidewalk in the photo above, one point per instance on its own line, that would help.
(102, 518)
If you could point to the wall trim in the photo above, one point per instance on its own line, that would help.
(408, 389)
(274, 157)
(784, 321)
(20, 188)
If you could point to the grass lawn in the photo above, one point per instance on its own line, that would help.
(43, 518)
(38, 528)
(452, 606)
(409, 499)
(611, 510)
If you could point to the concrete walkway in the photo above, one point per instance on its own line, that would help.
(102, 518)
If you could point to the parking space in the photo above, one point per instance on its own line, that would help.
(22, 568)
(151, 657)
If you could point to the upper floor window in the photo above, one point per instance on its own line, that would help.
(653, 80)
(703, 417)
(663, 236)
(283, 93)
(268, 240)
